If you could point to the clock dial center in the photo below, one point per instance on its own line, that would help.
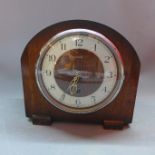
(79, 72)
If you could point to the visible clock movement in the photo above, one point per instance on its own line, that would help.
(80, 71)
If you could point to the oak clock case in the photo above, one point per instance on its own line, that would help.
(80, 71)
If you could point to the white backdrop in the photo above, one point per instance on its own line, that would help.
(21, 19)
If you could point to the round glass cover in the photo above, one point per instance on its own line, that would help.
(79, 71)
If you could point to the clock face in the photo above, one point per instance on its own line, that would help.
(79, 71)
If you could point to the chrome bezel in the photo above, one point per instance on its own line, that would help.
(99, 37)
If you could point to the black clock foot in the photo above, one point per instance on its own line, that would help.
(41, 120)
(113, 124)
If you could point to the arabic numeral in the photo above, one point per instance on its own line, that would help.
(110, 75)
(79, 42)
(107, 59)
(48, 72)
(93, 99)
(52, 58)
(95, 46)
(52, 86)
(105, 89)
(63, 46)
(77, 102)
(62, 97)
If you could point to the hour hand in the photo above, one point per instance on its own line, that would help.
(73, 88)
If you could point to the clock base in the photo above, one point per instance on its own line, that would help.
(41, 120)
(113, 124)
(107, 124)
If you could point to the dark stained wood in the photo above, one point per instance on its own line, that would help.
(41, 120)
(115, 115)
(110, 124)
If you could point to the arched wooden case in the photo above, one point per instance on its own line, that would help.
(115, 115)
